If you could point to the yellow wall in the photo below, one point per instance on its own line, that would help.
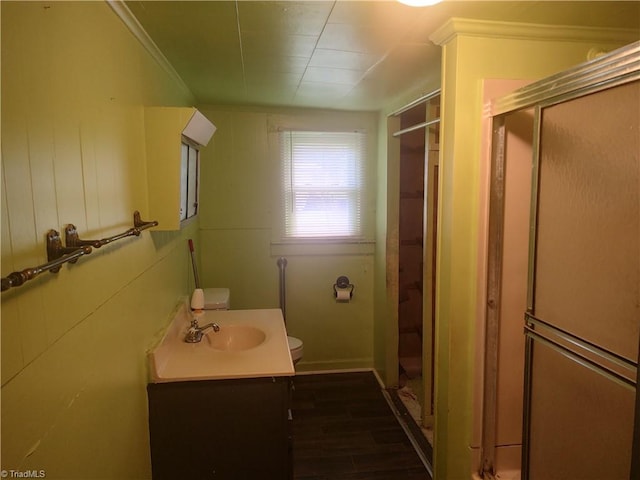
(239, 221)
(473, 52)
(74, 86)
(386, 270)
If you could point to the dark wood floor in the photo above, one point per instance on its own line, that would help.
(344, 429)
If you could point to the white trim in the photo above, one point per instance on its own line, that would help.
(334, 366)
(532, 31)
(322, 248)
(346, 370)
(138, 31)
(335, 370)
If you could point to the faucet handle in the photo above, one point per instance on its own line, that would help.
(194, 334)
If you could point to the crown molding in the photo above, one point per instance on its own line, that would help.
(530, 31)
(138, 31)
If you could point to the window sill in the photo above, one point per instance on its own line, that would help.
(323, 247)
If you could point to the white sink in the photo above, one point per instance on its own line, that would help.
(236, 338)
(249, 344)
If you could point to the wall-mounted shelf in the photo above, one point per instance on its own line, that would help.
(58, 255)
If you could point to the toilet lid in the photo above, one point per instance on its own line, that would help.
(294, 343)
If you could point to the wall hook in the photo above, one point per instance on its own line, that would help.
(55, 250)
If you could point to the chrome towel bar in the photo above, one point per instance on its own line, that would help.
(72, 239)
(58, 255)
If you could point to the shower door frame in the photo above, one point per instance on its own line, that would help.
(429, 232)
(619, 67)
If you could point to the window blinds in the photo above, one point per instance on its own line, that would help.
(322, 179)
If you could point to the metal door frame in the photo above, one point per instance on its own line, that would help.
(616, 68)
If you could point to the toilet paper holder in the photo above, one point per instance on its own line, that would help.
(342, 283)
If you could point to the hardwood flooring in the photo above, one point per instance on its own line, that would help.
(344, 429)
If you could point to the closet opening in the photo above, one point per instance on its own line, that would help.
(418, 131)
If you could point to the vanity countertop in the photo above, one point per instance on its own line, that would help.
(174, 360)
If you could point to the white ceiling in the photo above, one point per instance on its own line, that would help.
(344, 54)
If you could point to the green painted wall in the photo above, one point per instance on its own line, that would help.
(240, 200)
(385, 309)
(473, 52)
(74, 86)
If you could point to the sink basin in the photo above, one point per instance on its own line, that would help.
(234, 338)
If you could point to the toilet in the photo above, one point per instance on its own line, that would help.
(218, 299)
(295, 347)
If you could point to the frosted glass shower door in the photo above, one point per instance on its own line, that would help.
(584, 307)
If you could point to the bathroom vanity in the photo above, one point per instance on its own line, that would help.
(221, 408)
(226, 429)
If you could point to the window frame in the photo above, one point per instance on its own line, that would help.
(303, 155)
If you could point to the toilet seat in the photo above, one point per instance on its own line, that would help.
(295, 347)
(294, 343)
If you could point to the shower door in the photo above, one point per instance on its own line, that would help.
(583, 316)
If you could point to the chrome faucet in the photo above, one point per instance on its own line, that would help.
(195, 332)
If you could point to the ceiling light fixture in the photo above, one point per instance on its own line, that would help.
(419, 3)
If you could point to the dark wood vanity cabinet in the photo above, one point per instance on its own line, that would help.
(221, 429)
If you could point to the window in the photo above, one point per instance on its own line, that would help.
(322, 184)
(188, 181)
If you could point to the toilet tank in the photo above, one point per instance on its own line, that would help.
(216, 299)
